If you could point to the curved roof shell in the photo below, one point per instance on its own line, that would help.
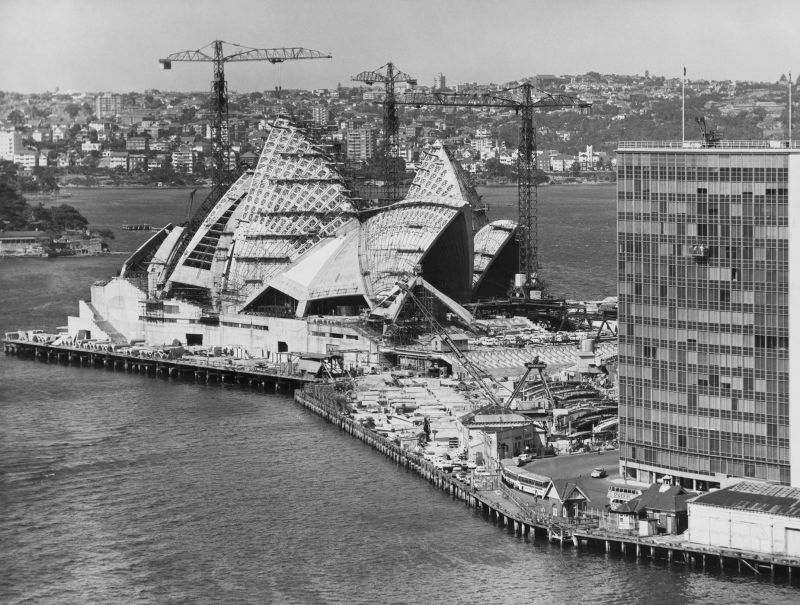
(290, 227)
(490, 242)
(296, 199)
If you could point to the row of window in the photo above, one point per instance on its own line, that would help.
(334, 335)
(702, 174)
(706, 464)
(233, 324)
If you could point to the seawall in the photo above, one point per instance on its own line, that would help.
(501, 506)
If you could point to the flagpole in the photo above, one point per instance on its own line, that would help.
(790, 109)
(683, 107)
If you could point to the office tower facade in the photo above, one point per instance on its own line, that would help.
(10, 144)
(320, 115)
(108, 105)
(708, 339)
(360, 143)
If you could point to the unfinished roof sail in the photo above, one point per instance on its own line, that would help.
(397, 239)
(441, 176)
(296, 199)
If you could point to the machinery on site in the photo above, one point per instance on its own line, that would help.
(474, 371)
(224, 173)
(215, 53)
(540, 366)
(389, 75)
(521, 99)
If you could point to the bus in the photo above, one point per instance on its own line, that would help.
(619, 493)
(524, 481)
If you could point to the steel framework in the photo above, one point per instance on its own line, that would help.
(224, 176)
(521, 99)
(389, 75)
(215, 53)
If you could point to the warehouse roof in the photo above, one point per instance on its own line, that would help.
(756, 497)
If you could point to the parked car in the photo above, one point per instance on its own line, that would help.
(598, 473)
(524, 459)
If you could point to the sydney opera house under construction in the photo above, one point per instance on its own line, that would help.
(287, 260)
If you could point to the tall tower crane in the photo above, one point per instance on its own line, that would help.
(389, 75)
(215, 53)
(521, 100)
(220, 143)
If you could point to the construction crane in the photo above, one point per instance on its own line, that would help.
(220, 143)
(711, 136)
(473, 370)
(215, 53)
(536, 364)
(521, 100)
(389, 75)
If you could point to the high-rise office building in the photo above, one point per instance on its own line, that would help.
(10, 144)
(108, 105)
(361, 143)
(709, 322)
(320, 115)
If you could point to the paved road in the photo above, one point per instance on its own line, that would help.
(577, 467)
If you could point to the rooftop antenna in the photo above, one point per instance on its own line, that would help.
(683, 107)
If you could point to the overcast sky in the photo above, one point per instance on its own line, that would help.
(114, 45)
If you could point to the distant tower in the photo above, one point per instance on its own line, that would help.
(321, 115)
(107, 105)
(439, 82)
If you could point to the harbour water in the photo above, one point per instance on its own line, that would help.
(116, 488)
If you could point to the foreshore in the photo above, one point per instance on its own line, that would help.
(499, 504)
(495, 501)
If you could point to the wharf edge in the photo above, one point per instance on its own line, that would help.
(499, 506)
(507, 511)
(268, 379)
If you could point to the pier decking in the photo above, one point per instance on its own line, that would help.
(206, 370)
(504, 507)
(496, 503)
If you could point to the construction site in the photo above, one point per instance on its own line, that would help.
(298, 259)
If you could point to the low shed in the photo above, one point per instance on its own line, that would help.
(748, 516)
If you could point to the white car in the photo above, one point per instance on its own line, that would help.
(598, 473)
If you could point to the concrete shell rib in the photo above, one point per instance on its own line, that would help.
(328, 270)
(295, 200)
(395, 240)
(197, 264)
(489, 241)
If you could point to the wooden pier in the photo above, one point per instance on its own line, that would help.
(268, 379)
(502, 507)
(674, 551)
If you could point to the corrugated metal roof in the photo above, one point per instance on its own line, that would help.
(756, 497)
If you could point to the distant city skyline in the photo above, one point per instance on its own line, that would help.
(111, 45)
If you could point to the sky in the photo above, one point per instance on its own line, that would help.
(114, 45)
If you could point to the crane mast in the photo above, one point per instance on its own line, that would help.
(389, 75)
(224, 176)
(215, 53)
(521, 100)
